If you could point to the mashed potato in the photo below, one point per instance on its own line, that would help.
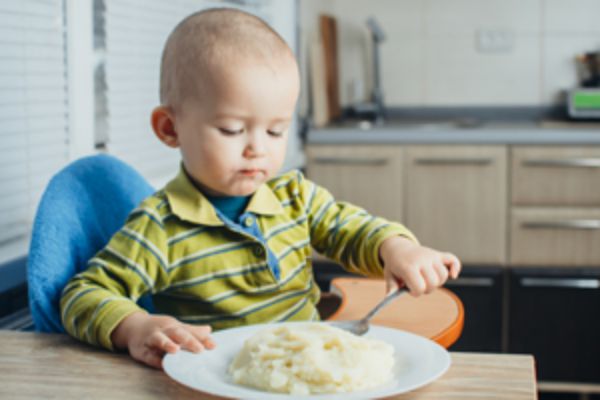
(311, 358)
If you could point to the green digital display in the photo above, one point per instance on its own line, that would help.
(586, 100)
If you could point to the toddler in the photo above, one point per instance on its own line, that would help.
(228, 242)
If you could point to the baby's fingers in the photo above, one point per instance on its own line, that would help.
(152, 357)
(202, 333)
(442, 272)
(415, 282)
(161, 343)
(391, 283)
(181, 335)
(453, 264)
(431, 278)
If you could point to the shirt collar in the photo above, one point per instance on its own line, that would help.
(189, 204)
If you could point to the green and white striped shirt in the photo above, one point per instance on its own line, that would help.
(202, 270)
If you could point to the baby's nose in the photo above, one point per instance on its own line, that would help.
(255, 147)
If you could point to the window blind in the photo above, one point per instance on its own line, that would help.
(135, 33)
(33, 111)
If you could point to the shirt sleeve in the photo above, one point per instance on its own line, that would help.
(347, 233)
(132, 264)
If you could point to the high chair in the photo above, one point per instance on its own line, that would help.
(438, 316)
(83, 205)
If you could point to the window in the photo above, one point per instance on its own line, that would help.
(81, 76)
(34, 112)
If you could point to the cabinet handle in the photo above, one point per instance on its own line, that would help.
(561, 283)
(351, 161)
(470, 282)
(565, 162)
(579, 224)
(454, 161)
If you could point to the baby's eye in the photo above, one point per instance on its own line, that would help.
(275, 133)
(231, 131)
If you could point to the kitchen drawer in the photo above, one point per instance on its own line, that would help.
(556, 176)
(368, 176)
(566, 237)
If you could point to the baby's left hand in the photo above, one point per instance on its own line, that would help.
(419, 268)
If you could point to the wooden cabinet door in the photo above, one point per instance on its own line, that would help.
(456, 200)
(368, 176)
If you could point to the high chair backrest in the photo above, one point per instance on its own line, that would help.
(82, 207)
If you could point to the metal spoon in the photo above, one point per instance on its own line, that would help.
(361, 326)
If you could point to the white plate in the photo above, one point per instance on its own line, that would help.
(419, 361)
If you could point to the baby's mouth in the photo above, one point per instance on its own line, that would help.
(251, 172)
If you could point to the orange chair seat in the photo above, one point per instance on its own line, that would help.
(438, 316)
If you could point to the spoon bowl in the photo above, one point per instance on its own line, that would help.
(361, 326)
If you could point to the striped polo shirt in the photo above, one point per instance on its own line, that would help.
(203, 269)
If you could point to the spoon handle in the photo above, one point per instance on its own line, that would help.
(388, 297)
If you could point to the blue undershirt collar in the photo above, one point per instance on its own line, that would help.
(230, 206)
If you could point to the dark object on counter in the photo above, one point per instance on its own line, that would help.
(588, 69)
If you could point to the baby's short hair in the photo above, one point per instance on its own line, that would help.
(210, 38)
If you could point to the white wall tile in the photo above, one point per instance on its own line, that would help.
(354, 54)
(572, 16)
(401, 66)
(455, 17)
(395, 16)
(402, 22)
(403, 72)
(457, 75)
(430, 57)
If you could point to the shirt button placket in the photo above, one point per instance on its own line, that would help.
(248, 221)
(259, 251)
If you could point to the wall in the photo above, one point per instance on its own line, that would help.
(433, 54)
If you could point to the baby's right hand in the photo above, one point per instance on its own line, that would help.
(148, 337)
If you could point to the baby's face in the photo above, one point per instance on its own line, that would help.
(234, 138)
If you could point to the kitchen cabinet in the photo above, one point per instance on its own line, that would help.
(456, 200)
(481, 291)
(555, 236)
(491, 205)
(567, 176)
(367, 176)
(555, 212)
(553, 315)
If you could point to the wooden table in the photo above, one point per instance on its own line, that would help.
(42, 366)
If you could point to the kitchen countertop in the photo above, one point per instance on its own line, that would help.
(35, 366)
(544, 133)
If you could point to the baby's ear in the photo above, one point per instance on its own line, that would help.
(163, 124)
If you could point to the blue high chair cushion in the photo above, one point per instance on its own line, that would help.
(82, 207)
